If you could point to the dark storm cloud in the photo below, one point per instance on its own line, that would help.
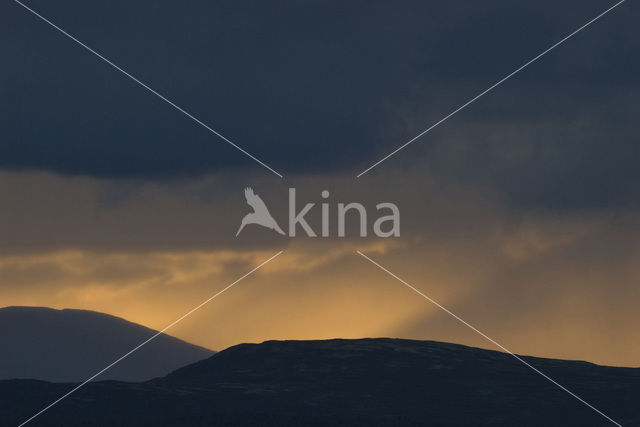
(321, 86)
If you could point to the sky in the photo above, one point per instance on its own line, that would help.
(519, 213)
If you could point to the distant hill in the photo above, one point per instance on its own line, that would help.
(365, 382)
(71, 345)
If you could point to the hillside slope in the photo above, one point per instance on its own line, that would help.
(71, 345)
(368, 382)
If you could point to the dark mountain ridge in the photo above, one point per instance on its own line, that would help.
(71, 345)
(366, 382)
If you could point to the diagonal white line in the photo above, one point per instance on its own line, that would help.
(147, 87)
(487, 337)
(490, 88)
(145, 342)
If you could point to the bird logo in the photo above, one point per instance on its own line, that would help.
(260, 214)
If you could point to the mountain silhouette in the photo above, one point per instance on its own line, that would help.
(71, 345)
(363, 382)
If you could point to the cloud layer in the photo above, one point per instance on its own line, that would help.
(520, 213)
(314, 87)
